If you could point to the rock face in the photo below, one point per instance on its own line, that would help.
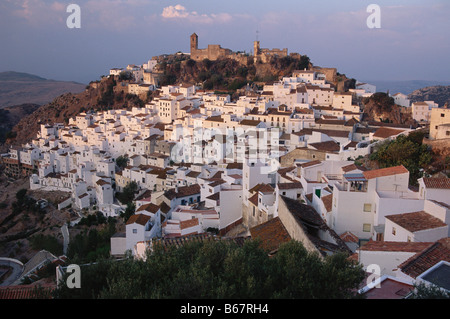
(439, 94)
(381, 107)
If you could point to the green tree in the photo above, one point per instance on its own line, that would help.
(122, 161)
(423, 291)
(127, 195)
(222, 269)
(407, 151)
(129, 211)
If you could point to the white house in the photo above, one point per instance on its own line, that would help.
(437, 189)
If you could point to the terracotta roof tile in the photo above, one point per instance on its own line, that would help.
(441, 183)
(349, 237)
(27, 291)
(289, 185)
(189, 223)
(183, 191)
(385, 172)
(398, 246)
(426, 259)
(416, 221)
(329, 146)
(385, 132)
(140, 219)
(152, 208)
(328, 202)
(271, 233)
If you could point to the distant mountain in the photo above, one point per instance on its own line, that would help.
(18, 88)
(439, 94)
(405, 87)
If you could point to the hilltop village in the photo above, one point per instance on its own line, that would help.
(277, 164)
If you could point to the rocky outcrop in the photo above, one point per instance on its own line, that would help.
(439, 94)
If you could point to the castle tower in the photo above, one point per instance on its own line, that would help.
(194, 42)
(256, 48)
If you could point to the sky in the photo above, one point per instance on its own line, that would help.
(412, 42)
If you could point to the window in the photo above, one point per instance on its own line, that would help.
(134, 231)
(442, 115)
(366, 228)
(394, 231)
(409, 239)
(367, 207)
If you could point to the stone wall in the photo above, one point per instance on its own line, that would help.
(293, 227)
(304, 154)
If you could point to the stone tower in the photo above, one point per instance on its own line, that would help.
(194, 42)
(256, 48)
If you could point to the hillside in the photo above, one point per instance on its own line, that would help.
(439, 94)
(10, 116)
(100, 95)
(19, 88)
(405, 87)
(225, 75)
(381, 107)
(229, 75)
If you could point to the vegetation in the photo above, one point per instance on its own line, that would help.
(128, 193)
(221, 270)
(91, 245)
(408, 151)
(46, 242)
(382, 100)
(226, 74)
(122, 161)
(129, 211)
(94, 220)
(423, 291)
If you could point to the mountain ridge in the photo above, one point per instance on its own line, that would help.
(17, 88)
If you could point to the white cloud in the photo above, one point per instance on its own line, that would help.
(180, 12)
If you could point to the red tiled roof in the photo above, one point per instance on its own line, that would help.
(289, 185)
(398, 246)
(254, 199)
(328, 146)
(27, 291)
(328, 202)
(189, 223)
(385, 172)
(385, 132)
(183, 191)
(263, 188)
(140, 219)
(416, 221)
(152, 208)
(311, 163)
(441, 183)
(426, 259)
(389, 289)
(271, 233)
(349, 237)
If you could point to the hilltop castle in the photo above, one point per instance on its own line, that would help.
(215, 51)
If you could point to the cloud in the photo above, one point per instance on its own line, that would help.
(36, 12)
(180, 12)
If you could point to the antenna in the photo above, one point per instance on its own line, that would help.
(257, 32)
